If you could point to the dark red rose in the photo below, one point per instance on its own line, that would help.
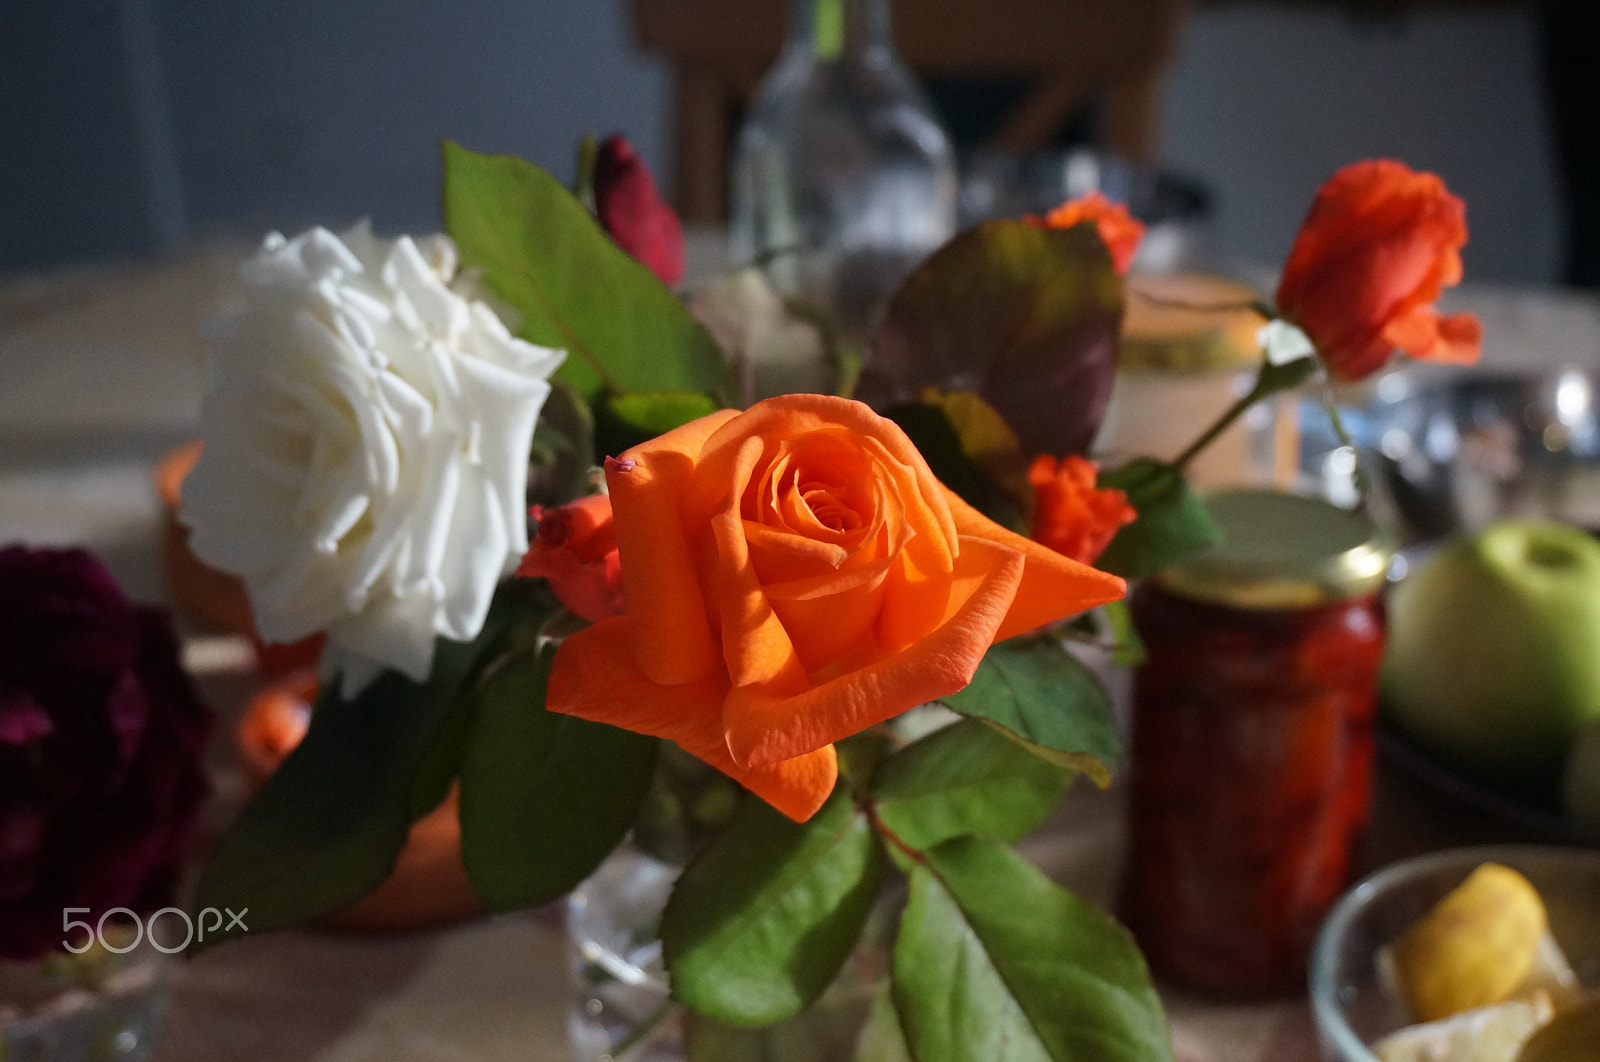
(101, 735)
(634, 213)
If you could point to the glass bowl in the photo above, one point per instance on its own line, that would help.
(1352, 1010)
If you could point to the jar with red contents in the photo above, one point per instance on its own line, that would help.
(1253, 740)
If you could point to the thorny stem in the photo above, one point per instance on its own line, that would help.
(1223, 423)
(889, 835)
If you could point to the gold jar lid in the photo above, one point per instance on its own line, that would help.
(1282, 551)
(1187, 323)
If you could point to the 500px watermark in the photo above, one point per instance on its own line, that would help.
(129, 928)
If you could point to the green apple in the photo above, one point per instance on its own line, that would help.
(1580, 790)
(1493, 655)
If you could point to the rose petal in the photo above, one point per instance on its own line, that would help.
(764, 726)
(755, 646)
(594, 677)
(21, 719)
(1053, 587)
(672, 637)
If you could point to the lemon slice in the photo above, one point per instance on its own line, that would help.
(1474, 949)
(1487, 1034)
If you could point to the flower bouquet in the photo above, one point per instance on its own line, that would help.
(717, 642)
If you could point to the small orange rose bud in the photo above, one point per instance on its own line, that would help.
(575, 551)
(1119, 230)
(1069, 514)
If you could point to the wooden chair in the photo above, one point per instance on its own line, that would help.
(1069, 50)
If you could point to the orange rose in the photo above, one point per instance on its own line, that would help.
(1069, 514)
(575, 551)
(1119, 230)
(794, 574)
(1379, 244)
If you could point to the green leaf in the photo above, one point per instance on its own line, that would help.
(542, 253)
(996, 961)
(1171, 524)
(622, 421)
(1272, 378)
(882, 1039)
(762, 920)
(441, 763)
(1024, 316)
(563, 451)
(528, 606)
(583, 182)
(544, 797)
(326, 828)
(965, 778)
(1035, 690)
(820, 1033)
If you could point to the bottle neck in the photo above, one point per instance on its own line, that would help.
(833, 29)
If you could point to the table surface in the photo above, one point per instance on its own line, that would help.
(101, 373)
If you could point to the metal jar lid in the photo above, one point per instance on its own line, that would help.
(1282, 551)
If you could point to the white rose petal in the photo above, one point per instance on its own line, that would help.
(367, 438)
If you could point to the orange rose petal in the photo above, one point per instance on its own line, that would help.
(1053, 587)
(755, 646)
(763, 726)
(673, 640)
(1378, 245)
(916, 594)
(1460, 339)
(780, 556)
(1424, 334)
(594, 677)
(837, 582)
(788, 416)
(1120, 231)
(918, 493)
(830, 628)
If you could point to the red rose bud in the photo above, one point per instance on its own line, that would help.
(1070, 515)
(634, 213)
(1379, 244)
(101, 735)
(575, 551)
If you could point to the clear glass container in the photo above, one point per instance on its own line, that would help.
(623, 1010)
(1352, 1007)
(102, 1006)
(843, 178)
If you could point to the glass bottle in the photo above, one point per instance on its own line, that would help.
(843, 178)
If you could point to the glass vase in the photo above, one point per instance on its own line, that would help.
(843, 177)
(622, 1010)
(101, 1006)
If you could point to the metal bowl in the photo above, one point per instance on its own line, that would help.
(1452, 454)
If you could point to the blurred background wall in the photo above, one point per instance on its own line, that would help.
(130, 127)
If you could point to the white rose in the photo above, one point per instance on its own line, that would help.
(366, 449)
